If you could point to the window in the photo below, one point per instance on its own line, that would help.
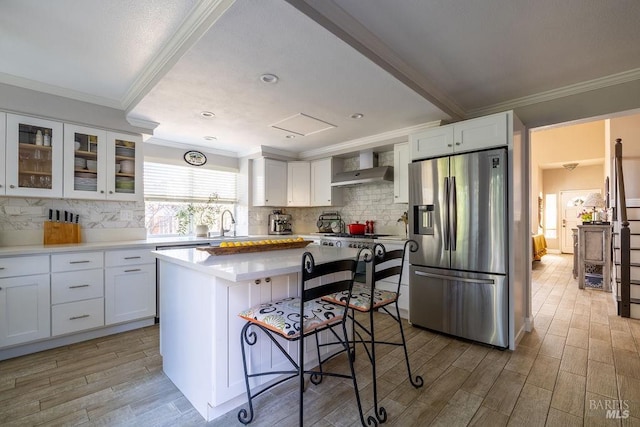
(177, 198)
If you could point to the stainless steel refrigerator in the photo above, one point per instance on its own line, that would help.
(459, 276)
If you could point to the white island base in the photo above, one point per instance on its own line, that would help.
(200, 297)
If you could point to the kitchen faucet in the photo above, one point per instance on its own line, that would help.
(233, 221)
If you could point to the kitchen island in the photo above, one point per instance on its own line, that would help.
(200, 297)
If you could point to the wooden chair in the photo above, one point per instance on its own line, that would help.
(281, 319)
(366, 298)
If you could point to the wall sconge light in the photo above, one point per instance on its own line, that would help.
(570, 166)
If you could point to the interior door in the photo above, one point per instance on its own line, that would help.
(570, 205)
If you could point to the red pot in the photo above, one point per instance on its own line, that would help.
(356, 228)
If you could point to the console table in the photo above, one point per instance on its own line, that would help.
(594, 248)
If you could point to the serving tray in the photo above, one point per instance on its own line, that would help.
(217, 250)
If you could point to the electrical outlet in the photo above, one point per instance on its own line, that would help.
(126, 215)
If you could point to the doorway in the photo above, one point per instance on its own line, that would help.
(570, 205)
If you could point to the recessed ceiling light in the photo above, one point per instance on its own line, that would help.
(210, 138)
(269, 78)
(207, 114)
(357, 115)
(290, 136)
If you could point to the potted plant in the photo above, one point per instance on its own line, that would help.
(202, 215)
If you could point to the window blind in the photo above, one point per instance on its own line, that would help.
(180, 183)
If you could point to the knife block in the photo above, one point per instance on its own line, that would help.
(58, 233)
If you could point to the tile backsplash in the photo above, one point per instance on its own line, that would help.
(30, 213)
(373, 202)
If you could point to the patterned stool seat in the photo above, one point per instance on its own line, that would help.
(283, 316)
(361, 297)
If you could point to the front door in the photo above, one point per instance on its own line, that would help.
(570, 205)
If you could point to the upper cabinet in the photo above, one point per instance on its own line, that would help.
(298, 183)
(322, 193)
(34, 152)
(85, 172)
(469, 135)
(106, 165)
(3, 122)
(124, 167)
(269, 178)
(401, 160)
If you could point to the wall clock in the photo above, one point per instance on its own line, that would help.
(195, 158)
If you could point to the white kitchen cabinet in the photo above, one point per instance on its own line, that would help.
(469, 135)
(269, 182)
(24, 299)
(85, 172)
(124, 167)
(401, 160)
(3, 130)
(322, 193)
(298, 183)
(77, 292)
(129, 286)
(33, 162)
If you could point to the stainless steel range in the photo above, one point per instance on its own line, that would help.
(346, 240)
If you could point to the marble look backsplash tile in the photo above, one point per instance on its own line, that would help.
(30, 213)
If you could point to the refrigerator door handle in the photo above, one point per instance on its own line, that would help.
(455, 279)
(446, 214)
(454, 212)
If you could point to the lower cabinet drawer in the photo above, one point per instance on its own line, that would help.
(76, 286)
(77, 316)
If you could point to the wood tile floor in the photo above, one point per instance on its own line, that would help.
(580, 360)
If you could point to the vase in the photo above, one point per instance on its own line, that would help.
(202, 230)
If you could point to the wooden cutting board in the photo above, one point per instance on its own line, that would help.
(58, 233)
(216, 250)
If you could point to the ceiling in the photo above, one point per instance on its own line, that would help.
(404, 65)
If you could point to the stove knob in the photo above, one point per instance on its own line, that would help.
(330, 243)
(338, 244)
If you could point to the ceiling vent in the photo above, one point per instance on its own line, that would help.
(368, 173)
(302, 124)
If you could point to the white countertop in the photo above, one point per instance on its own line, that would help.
(251, 266)
(150, 243)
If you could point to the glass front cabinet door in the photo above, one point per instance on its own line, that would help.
(85, 172)
(101, 165)
(124, 166)
(33, 157)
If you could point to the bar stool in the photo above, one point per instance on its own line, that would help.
(366, 298)
(281, 319)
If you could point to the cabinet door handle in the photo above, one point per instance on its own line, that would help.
(110, 192)
(12, 186)
(79, 262)
(132, 257)
(78, 286)
(82, 316)
(0, 288)
(449, 145)
(1, 268)
(268, 280)
(101, 191)
(257, 281)
(131, 271)
(458, 143)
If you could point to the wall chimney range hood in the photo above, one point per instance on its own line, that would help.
(368, 173)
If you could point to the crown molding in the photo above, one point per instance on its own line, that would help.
(142, 123)
(29, 84)
(550, 95)
(201, 18)
(367, 142)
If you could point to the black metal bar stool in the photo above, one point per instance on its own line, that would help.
(366, 298)
(282, 318)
